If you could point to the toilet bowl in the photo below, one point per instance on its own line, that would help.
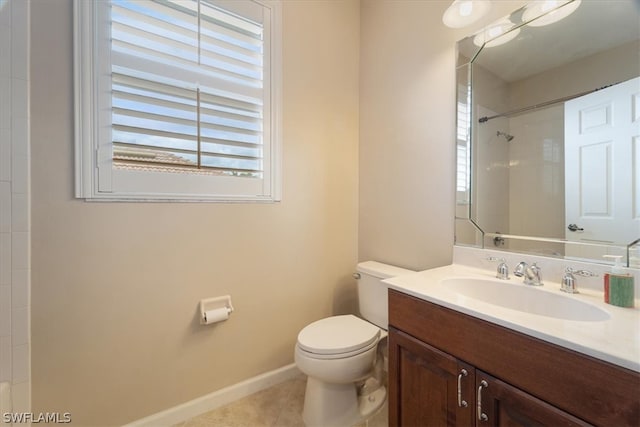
(343, 356)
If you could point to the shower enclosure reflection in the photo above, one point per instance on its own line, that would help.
(514, 192)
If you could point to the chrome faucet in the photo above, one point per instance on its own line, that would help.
(502, 272)
(531, 273)
(569, 283)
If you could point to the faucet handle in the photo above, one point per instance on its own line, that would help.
(520, 268)
(502, 271)
(583, 273)
(569, 282)
(537, 272)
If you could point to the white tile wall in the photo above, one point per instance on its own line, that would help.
(5, 104)
(5, 358)
(5, 154)
(5, 208)
(5, 310)
(5, 47)
(15, 236)
(5, 257)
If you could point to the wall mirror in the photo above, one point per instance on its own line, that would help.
(548, 132)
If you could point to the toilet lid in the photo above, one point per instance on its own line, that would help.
(337, 334)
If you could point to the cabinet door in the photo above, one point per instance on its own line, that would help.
(426, 386)
(500, 404)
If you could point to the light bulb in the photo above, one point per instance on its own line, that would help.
(548, 5)
(499, 33)
(540, 13)
(466, 7)
(465, 12)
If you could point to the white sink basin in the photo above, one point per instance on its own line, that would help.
(520, 297)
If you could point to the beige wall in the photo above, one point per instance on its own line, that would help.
(407, 119)
(115, 286)
(583, 75)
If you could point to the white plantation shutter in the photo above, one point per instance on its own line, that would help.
(463, 154)
(188, 106)
(167, 58)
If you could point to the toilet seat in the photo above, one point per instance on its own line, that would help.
(338, 337)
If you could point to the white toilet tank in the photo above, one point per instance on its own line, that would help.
(373, 301)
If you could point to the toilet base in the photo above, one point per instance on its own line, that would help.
(339, 405)
(368, 405)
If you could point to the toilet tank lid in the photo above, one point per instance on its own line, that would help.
(380, 270)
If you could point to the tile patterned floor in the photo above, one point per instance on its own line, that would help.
(277, 406)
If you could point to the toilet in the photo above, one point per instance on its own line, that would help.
(344, 356)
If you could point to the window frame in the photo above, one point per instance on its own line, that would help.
(95, 177)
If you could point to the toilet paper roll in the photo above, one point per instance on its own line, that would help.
(217, 315)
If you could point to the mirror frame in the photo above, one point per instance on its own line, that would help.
(467, 231)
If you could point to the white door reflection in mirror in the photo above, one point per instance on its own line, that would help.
(602, 140)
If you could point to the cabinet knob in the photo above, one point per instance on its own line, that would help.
(481, 416)
(461, 402)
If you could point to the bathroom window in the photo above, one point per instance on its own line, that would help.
(177, 100)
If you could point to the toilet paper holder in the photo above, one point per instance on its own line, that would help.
(216, 305)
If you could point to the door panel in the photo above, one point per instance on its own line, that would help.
(426, 389)
(504, 405)
(602, 130)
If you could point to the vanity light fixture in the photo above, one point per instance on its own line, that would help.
(496, 34)
(544, 12)
(465, 12)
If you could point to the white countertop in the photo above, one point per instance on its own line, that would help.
(616, 340)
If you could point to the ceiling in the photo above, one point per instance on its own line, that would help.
(596, 25)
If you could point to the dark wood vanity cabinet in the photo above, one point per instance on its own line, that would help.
(426, 386)
(433, 388)
(441, 361)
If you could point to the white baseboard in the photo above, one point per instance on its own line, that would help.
(217, 399)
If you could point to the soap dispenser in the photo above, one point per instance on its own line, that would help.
(618, 285)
